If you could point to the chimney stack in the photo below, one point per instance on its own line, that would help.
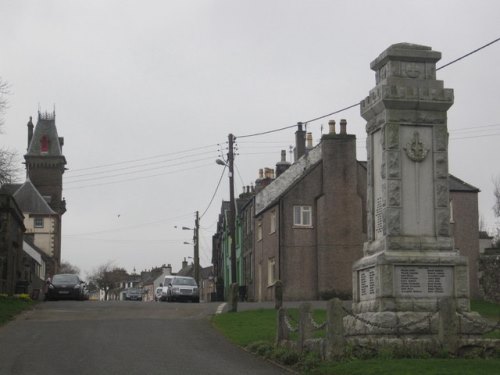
(343, 124)
(300, 142)
(282, 165)
(184, 263)
(331, 124)
(309, 139)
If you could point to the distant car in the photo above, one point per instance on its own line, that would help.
(183, 288)
(158, 292)
(66, 286)
(165, 288)
(133, 294)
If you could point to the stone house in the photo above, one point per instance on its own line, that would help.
(34, 268)
(309, 221)
(219, 248)
(40, 196)
(464, 223)
(307, 227)
(11, 242)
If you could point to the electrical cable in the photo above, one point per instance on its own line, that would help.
(139, 165)
(215, 192)
(132, 172)
(137, 178)
(357, 104)
(468, 54)
(142, 159)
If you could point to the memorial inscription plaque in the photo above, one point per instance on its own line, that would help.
(366, 283)
(423, 281)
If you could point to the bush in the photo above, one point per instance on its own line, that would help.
(262, 348)
(286, 356)
(309, 361)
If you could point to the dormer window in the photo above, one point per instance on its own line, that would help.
(44, 144)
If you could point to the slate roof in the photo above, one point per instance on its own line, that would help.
(46, 125)
(271, 193)
(268, 196)
(30, 200)
(456, 184)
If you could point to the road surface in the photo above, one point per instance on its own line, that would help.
(121, 337)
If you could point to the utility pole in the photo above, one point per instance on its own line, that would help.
(197, 249)
(232, 213)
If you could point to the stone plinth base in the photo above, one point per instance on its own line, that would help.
(466, 347)
(416, 281)
(410, 325)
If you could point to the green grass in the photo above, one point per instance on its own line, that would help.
(244, 328)
(489, 310)
(410, 367)
(11, 306)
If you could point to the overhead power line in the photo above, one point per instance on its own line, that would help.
(149, 164)
(468, 54)
(357, 104)
(215, 192)
(142, 159)
(132, 172)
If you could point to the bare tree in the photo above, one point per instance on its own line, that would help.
(107, 277)
(496, 193)
(67, 267)
(9, 165)
(4, 91)
(496, 208)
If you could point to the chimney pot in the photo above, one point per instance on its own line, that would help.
(261, 173)
(331, 124)
(343, 125)
(283, 155)
(309, 138)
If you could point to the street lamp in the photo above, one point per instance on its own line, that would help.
(196, 257)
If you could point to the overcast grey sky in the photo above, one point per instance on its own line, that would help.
(163, 82)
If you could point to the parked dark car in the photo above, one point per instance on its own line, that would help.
(66, 286)
(133, 294)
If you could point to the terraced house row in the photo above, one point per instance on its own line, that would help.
(304, 223)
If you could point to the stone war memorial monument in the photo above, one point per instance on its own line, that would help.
(411, 284)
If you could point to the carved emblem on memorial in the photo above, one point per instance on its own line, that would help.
(416, 150)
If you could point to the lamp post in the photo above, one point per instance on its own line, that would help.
(196, 256)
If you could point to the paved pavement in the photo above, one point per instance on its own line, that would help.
(94, 338)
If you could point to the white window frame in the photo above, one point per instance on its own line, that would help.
(271, 271)
(272, 223)
(38, 222)
(302, 214)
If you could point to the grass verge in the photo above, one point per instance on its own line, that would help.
(255, 330)
(11, 306)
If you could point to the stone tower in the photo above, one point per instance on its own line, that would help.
(45, 165)
(409, 263)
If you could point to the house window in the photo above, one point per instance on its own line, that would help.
(38, 222)
(272, 226)
(302, 216)
(271, 271)
(259, 230)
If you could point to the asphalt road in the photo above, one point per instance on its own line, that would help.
(94, 338)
